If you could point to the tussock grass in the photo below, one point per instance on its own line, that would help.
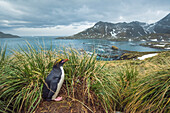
(3, 60)
(114, 92)
(21, 84)
(139, 86)
(151, 94)
(129, 86)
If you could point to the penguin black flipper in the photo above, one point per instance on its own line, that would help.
(50, 88)
(45, 91)
(53, 87)
(51, 78)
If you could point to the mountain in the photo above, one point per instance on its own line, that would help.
(127, 31)
(113, 31)
(3, 35)
(163, 26)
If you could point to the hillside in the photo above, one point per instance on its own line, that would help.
(3, 35)
(90, 86)
(120, 69)
(133, 31)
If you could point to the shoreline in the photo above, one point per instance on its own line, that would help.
(133, 55)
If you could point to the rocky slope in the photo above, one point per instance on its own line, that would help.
(163, 26)
(128, 31)
(3, 35)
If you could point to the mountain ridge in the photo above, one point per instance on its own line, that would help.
(123, 31)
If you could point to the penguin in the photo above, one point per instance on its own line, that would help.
(54, 81)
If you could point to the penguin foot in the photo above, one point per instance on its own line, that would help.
(58, 99)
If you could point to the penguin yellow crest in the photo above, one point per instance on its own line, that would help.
(57, 61)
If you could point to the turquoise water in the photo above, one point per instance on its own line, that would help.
(89, 45)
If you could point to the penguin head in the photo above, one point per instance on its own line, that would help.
(60, 62)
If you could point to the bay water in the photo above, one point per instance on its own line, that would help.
(100, 46)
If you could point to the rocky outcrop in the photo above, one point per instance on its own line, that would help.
(115, 48)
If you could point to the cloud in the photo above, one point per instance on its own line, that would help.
(51, 13)
(8, 8)
(60, 30)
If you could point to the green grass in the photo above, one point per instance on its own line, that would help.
(129, 86)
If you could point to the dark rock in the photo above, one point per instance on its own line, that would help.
(115, 48)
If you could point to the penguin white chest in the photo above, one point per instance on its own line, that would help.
(59, 84)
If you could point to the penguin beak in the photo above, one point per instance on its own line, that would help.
(65, 60)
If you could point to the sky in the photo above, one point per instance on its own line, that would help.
(68, 17)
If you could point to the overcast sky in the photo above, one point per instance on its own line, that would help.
(67, 17)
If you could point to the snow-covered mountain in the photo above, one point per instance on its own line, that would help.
(128, 31)
(113, 31)
(162, 26)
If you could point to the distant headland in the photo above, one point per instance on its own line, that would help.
(3, 35)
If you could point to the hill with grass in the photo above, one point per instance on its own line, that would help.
(3, 35)
(90, 85)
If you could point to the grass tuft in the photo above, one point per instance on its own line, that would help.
(151, 94)
(21, 84)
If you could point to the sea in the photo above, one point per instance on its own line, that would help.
(101, 47)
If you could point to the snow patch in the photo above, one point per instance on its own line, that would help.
(147, 56)
(100, 49)
(139, 33)
(106, 29)
(96, 26)
(145, 31)
(159, 45)
(154, 40)
(113, 34)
